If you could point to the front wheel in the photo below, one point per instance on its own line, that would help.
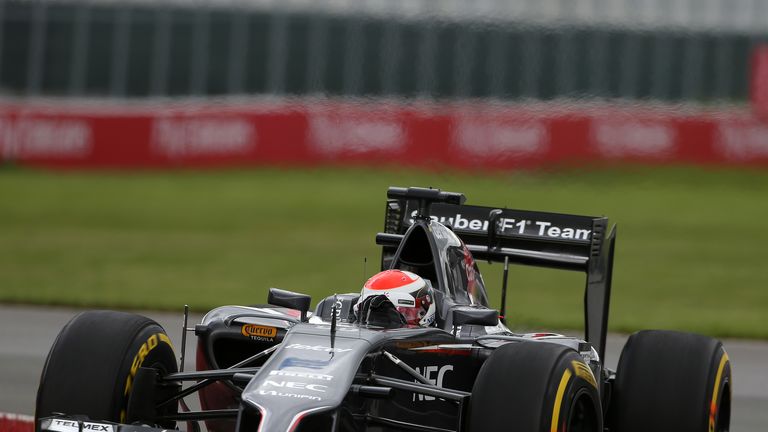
(535, 387)
(91, 366)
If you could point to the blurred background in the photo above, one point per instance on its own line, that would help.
(169, 152)
(176, 151)
(662, 50)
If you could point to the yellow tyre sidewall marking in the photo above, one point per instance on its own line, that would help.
(584, 372)
(559, 398)
(716, 391)
(150, 344)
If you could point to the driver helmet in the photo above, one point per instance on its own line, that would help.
(411, 295)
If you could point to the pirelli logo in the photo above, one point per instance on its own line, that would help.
(257, 331)
(584, 372)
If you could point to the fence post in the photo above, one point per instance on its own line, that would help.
(565, 58)
(199, 80)
(278, 47)
(238, 50)
(660, 70)
(532, 63)
(693, 58)
(390, 50)
(2, 28)
(463, 61)
(496, 63)
(160, 52)
(426, 62)
(80, 39)
(629, 65)
(37, 48)
(598, 53)
(354, 54)
(425, 72)
(317, 52)
(120, 49)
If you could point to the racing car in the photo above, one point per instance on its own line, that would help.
(354, 364)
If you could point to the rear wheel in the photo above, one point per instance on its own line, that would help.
(94, 360)
(535, 387)
(672, 381)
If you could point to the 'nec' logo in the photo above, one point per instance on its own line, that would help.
(295, 385)
(428, 372)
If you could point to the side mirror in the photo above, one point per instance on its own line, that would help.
(291, 300)
(474, 316)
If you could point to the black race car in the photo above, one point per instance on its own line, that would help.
(280, 367)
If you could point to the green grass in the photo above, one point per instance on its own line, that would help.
(691, 249)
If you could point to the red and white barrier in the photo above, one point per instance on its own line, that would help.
(313, 132)
(759, 81)
(16, 423)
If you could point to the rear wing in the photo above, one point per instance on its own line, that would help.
(554, 240)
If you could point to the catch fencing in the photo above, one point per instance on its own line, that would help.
(668, 50)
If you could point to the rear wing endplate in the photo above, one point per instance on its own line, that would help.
(553, 240)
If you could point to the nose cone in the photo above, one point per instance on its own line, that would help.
(306, 376)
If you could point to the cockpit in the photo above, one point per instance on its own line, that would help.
(435, 253)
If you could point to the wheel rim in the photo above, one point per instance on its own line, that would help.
(582, 416)
(724, 410)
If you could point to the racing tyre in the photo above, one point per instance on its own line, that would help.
(671, 381)
(535, 387)
(90, 368)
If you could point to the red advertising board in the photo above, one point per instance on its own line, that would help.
(310, 132)
(16, 423)
(759, 81)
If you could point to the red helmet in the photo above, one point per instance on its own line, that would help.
(408, 292)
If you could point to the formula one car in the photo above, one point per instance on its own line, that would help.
(347, 367)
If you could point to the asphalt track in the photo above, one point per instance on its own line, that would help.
(26, 334)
